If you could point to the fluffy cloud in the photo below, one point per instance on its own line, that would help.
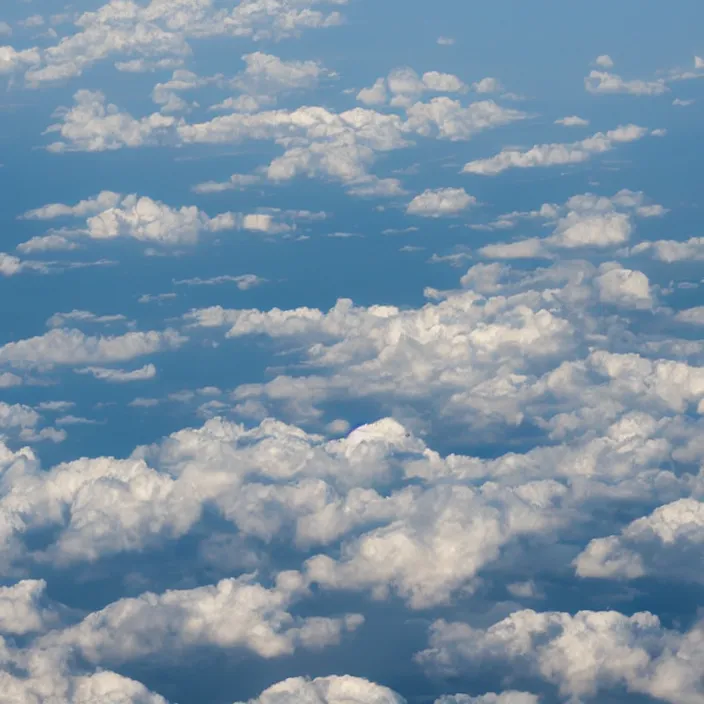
(623, 287)
(92, 125)
(159, 31)
(583, 655)
(316, 141)
(73, 347)
(327, 690)
(572, 121)
(403, 86)
(671, 251)
(439, 202)
(450, 120)
(583, 221)
(544, 155)
(605, 82)
(669, 544)
(139, 217)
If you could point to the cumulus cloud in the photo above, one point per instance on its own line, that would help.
(670, 251)
(403, 86)
(442, 201)
(236, 182)
(604, 61)
(142, 218)
(544, 155)
(605, 82)
(669, 544)
(72, 347)
(582, 655)
(160, 31)
(584, 221)
(572, 121)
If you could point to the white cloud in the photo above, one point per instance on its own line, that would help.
(244, 281)
(583, 655)
(23, 609)
(453, 121)
(693, 316)
(376, 95)
(160, 31)
(487, 85)
(604, 82)
(10, 265)
(12, 60)
(572, 121)
(47, 243)
(678, 102)
(150, 221)
(236, 182)
(72, 347)
(623, 287)
(442, 201)
(669, 543)
(7, 380)
(5, 29)
(120, 376)
(327, 690)
(92, 125)
(544, 155)
(671, 251)
(445, 41)
(583, 221)
(604, 61)
(58, 320)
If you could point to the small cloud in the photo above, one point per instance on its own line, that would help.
(442, 201)
(682, 103)
(572, 121)
(446, 41)
(605, 61)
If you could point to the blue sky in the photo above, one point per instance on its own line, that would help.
(351, 352)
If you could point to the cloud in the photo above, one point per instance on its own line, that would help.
(403, 86)
(236, 182)
(153, 222)
(671, 251)
(72, 347)
(12, 60)
(586, 220)
(59, 320)
(92, 125)
(327, 690)
(47, 243)
(119, 376)
(582, 655)
(244, 282)
(160, 31)
(445, 41)
(8, 380)
(624, 287)
(442, 201)
(605, 61)
(10, 266)
(5, 29)
(604, 82)
(669, 544)
(487, 85)
(545, 155)
(572, 121)
(450, 120)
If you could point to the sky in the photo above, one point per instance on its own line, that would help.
(351, 352)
